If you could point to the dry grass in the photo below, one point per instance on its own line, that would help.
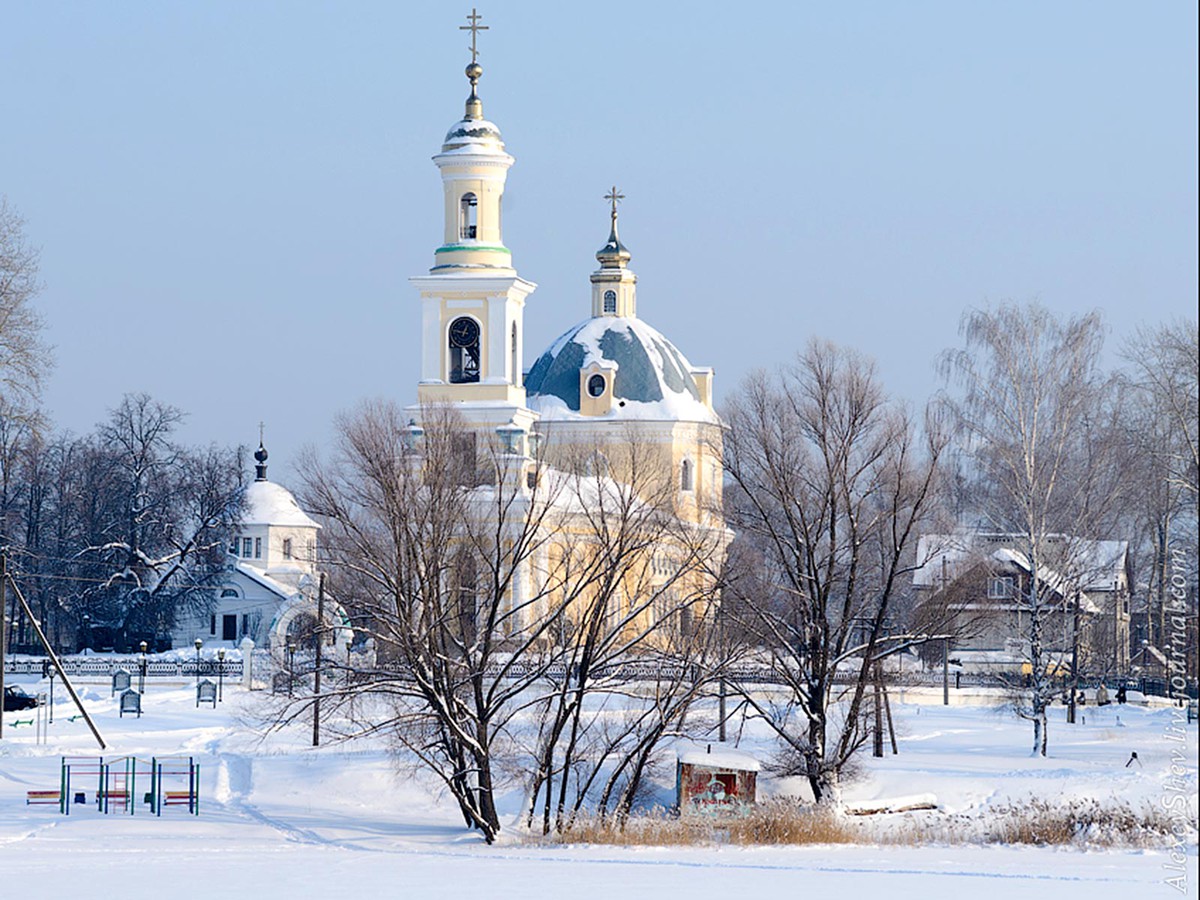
(1078, 823)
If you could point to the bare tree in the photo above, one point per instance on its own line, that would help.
(642, 647)
(24, 359)
(830, 482)
(1037, 420)
(436, 568)
(1163, 381)
(165, 518)
(500, 592)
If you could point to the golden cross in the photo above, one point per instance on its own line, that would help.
(474, 28)
(615, 198)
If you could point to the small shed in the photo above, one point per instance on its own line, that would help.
(715, 781)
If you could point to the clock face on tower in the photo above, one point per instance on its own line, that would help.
(464, 332)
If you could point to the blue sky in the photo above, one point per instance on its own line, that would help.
(229, 197)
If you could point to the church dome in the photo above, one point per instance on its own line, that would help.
(267, 503)
(473, 136)
(651, 378)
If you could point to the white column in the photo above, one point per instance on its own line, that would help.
(247, 648)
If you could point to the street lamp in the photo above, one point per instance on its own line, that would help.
(142, 669)
(87, 631)
(199, 644)
(291, 653)
(220, 674)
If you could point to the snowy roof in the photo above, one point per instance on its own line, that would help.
(473, 136)
(268, 503)
(276, 587)
(719, 758)
(651, 380)
(1093, 565)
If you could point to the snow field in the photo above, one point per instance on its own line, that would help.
(280, 819)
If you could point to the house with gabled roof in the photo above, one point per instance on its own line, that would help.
(983, 580)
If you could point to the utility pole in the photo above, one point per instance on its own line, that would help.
(41, 635)
(877, 742)
(320, 636)
(721, 711)
(945, 671)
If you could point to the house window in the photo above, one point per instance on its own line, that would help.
(685, 475)
(212, 624)
(228, 592)
(258, 548)
(287, 548)
(246, 545)
(1000, 587)
(245, 624)
(610, 302)
(229, 627)
(468, 213)
(463, 340)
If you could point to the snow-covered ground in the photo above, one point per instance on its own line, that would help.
(280, 819)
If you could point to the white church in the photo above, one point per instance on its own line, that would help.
(608, 380)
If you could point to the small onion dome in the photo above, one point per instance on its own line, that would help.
(613, 255)
(260, 457)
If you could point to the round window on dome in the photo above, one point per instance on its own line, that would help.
(596, 385)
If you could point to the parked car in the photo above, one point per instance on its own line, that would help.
(15, 698)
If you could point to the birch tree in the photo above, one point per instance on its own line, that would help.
(1036, 418)
(1162, 419)
(24, 358)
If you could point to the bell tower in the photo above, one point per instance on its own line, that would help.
(472, 300)
(614, 286)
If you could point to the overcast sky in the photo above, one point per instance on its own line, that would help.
(229, 197)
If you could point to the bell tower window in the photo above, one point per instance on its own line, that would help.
(463, 341)
(468, 213)
(610, 302)
(685, 475)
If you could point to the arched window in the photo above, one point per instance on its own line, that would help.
(610, 302)
(463, 338)
(685, 475)
(468, 211)
(287, 548)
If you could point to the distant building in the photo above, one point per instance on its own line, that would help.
(982, 580)
(269, 590)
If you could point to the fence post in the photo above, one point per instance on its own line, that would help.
(247, 648)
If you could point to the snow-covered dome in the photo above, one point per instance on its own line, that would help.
(473, 136)
(651, 378)
(267, 503)
(473, 133)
